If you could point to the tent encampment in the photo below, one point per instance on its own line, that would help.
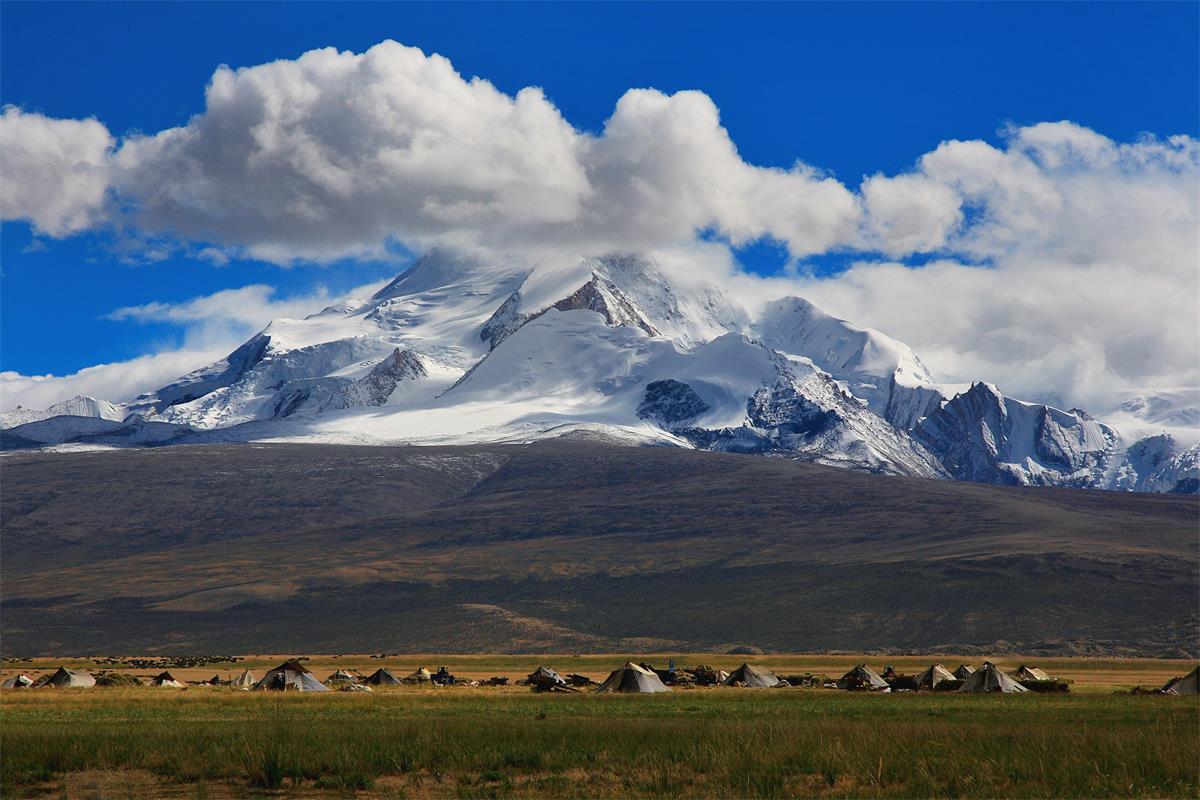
(632, 678)
(989, 678)
(863, 677)
(964, 671)
(291, 676)
(382, 677)
(1025, 673)
(246, 680)
(933, 676)
(21, 681)
(70, 679)
(166, 679)
(422, 675)
(752, 677)
(1188, 684)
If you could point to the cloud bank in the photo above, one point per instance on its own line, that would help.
(1058, 263)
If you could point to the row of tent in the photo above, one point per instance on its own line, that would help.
(633, 678)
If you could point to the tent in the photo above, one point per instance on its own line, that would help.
(1188, 684)
(989, 678)
(422, 675)
(752, 677)
(166, 679)
(215, 680)
(70, 678)
(382, 677)
(964, 671)
(17, 682)
(246, 679)
(632, 678)
(291, 676)
(1025, 673)
(341, 676)
(544, 679)
(863, 677)
(933, 676)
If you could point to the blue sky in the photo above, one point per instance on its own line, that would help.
(853, 89)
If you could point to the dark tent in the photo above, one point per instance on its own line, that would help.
(382, 677)
(632, 678)
(863, 677)
(752, 677)
(166, 679)
(291, 676)
(544, 679)
(964, 671)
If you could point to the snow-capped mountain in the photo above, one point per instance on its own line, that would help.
(455, 350)
(79, 406)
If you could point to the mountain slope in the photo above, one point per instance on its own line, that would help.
(460, 351)
(599, 545)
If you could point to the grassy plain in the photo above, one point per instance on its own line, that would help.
(506, 742)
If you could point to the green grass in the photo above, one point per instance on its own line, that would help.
(717, 743)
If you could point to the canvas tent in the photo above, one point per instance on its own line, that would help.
(632, 678)
(544, 679)
(933, 676)
(989, 678)
(246, 679)
(752, 677)
(422, 675)
(70, 679)
(863, 677)
(382, 677)
(291, 676)
(215, 680)
(1025, 673)
(17, 682)
(1188, 684)
(166, 679)
(341, 676)
(964, 671)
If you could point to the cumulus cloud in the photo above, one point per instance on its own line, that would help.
(1056, 262)
(54, 172)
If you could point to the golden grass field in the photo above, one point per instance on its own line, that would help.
(216, 742)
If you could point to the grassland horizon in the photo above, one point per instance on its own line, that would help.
(1097, 741)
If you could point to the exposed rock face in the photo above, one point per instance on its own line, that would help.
(377, 386)
(669, 403)
(980, 435)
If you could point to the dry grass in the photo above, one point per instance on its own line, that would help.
(510, 743)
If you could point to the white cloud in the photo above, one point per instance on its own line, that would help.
(116, 382)
(53, 172)
(1090, 248)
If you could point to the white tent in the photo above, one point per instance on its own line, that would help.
(1025, 673)
(71, 679)
(422, 675)
(246, 679)
(931, 677)
(1188, 684)
(632, 678)
(988, 679)
(291, 676)
(21, 681)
